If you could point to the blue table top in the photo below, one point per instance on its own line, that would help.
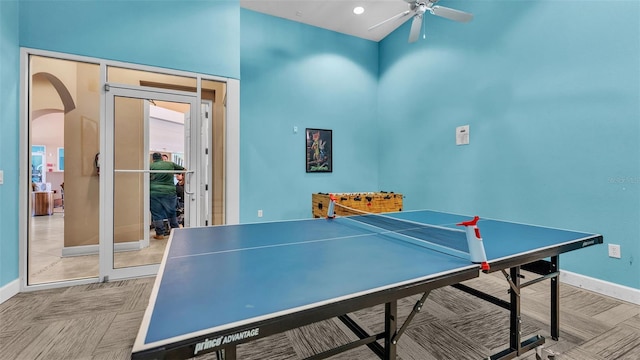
(503, 239)
(224, 276)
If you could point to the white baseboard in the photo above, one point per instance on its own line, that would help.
(9, 290)
(95, 249)
(619, 292)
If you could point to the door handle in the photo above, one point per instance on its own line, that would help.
(189, 182)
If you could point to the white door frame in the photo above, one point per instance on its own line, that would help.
(192, 160)
(206, 185)
(232, 150)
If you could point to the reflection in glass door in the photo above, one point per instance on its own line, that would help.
(62, 203)
(141, 124)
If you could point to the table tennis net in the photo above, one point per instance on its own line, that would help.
(438, 238)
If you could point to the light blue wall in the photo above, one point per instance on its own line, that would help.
(551, 92)
(198, 36)
(550, 89)
(9, 134)
(298, 75)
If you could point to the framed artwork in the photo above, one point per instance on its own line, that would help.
(318, 147)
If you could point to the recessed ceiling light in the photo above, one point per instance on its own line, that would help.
(358, 10)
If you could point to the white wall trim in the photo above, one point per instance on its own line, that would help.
(9, 290)
(94, 249)
(619, 292)
(232, 161)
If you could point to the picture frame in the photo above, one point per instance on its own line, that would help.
(319, 150)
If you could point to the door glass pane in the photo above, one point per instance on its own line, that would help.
(64, 113)
(143, 127)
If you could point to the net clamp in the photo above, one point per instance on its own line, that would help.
(331, 213)
(474, 240)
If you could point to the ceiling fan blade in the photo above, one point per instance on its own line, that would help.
(451, 14)
(415, 28)
(405, 13)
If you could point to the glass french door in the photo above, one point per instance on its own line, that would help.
(140, 122)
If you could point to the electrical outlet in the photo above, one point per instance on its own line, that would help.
(614, 251)
(259, 213)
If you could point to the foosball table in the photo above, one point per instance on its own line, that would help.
(368, 202)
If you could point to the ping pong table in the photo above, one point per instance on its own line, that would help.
(222, 286)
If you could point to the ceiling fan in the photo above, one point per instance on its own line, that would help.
(417, 8)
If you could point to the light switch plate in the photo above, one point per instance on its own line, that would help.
(462, 135)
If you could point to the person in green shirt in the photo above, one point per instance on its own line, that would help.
(163, 196)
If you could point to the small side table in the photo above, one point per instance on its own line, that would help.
(42, 203)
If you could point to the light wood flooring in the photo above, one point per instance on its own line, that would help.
(46, 263)
(100, 321)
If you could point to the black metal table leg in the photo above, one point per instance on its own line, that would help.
(517, 347)
(229, 353)
(390, 327)
(555, 299)
(515, 321)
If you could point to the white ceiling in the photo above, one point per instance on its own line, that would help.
(336, 15)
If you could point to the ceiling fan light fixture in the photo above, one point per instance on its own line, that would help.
(358, 10)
